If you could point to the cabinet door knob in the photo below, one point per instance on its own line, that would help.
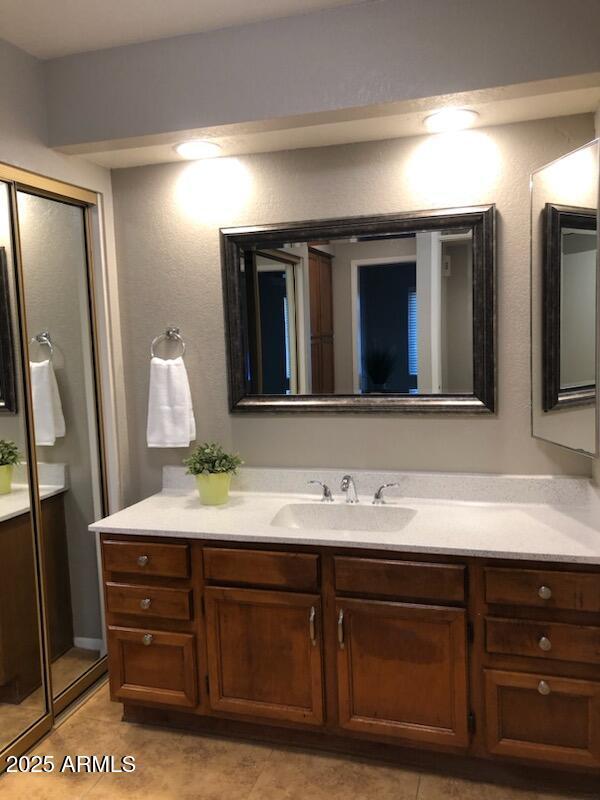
(543, 688)
(142, 560)
(545, 592)
(145, 603)
(147, 639)
(545, 644)
(340, 628)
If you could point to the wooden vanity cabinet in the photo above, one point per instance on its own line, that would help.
(402, 671)
(264, 654)
(346, 649)
(20, 655)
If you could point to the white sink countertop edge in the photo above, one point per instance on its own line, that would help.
(528, 531)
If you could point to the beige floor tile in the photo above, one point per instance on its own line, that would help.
(99, 706)
(186, 768)
(294, 775)
(435, 787)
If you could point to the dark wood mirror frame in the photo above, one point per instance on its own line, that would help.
(480, 219)
(8, 388)
(555, 219)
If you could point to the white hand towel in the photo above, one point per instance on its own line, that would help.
(47, 409)
(171, 420)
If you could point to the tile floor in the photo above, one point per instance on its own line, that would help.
(174, 765)
(15, 718)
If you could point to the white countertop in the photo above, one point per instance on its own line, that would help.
(17, 501)
(526, 530)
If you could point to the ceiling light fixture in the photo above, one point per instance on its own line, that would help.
(450, 119)
(198, 148)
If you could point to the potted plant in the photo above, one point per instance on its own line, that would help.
(380, 365)
(213, 468)
(9, 456)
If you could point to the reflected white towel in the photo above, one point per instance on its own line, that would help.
(171, 420)
(47, 408)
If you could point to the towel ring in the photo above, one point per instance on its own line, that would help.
(171, 334)
(43, 338)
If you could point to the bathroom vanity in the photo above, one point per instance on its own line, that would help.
(470, 627)
(19, 638)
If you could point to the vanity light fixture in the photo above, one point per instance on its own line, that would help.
(198, 148)
(450, 119)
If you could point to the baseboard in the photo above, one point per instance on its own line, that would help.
(85, 643)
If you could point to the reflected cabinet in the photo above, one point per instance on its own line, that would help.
(52, 476)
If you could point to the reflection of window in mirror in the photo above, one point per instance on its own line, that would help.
(569, 306)
(577, 309)
(363, 312)
(370, 315)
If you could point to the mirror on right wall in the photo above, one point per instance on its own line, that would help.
(564, 320)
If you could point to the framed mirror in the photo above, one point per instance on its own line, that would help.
(384, 313)
(569, 306)
(8, 393)
(564, 322)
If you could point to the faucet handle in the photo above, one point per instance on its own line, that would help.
(326, 497)
(378, 499)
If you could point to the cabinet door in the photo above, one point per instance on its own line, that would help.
(541, 717)
(152, 666)
(402, 671)
(264, 654)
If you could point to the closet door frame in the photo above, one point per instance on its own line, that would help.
(32, 183)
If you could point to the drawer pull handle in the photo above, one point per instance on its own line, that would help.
(147, 639)
(145, 603)
(543, 688)
(545, 592)
(545, 644)
(340, 628)
(312, 627)
(142, 561)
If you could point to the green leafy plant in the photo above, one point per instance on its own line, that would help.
(9, 453)
(210, 458)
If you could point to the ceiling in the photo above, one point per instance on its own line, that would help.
(52, 28)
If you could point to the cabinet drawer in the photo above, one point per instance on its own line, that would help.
(147, 558)
(574, 591)
(152, 666)
(544, 718)
(400, 579)
(148, 601)
(297, 571)
(579, 643)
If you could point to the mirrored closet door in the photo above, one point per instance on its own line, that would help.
(56, 294)
(52, 644)
(23, 703)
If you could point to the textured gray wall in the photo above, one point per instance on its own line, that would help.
(325, 61)
(168, 218)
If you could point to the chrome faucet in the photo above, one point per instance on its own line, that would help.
(378, 499)
(349, 488)
(326, 497)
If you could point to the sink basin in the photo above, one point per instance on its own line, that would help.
(325, 516)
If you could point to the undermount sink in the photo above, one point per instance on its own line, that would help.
(347, 517)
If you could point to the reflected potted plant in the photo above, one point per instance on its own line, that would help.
(9, 457)
(213, 468)
(380, 365)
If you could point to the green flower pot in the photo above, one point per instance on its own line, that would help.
(214, 488)
(6, 473)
